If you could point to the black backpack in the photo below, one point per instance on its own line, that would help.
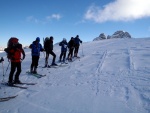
(45, 42)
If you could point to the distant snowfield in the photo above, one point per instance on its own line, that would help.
(112, 76)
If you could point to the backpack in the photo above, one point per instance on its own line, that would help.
(45, 41)
(11, 44)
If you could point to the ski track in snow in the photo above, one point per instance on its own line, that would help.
(98, 71)
(140, 95)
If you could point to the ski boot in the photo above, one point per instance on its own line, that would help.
(54, 64)
(17, 82)
(10, 83)
(35, 71)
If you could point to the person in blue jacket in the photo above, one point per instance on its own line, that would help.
(35, 47)
(77, 44)
(64, 46)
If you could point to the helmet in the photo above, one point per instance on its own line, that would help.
(64, 39)
(38, 39)
(47, 38)
(51, 38)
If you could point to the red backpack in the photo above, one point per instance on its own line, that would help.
(11, 50)
(12, 42)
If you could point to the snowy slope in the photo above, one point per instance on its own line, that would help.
(112, 76)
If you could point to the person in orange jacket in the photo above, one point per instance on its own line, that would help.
(14, 53)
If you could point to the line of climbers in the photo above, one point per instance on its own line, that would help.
(16, 54)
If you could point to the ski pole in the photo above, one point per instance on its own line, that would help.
(44, 54)
(3, 71)
(3, 74)
(7, 68)
(82, 50)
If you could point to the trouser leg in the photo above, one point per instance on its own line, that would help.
(18, 65)
(61, 56)
(34, 64)
(13, 68)
(64, 56)
(54, 56)
(71, 52)
(46, 59)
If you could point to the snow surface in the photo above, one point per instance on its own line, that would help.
(112, 76)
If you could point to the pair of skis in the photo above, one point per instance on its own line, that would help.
(19, 85)
(60, 64)
(36, 74)
(24, 87)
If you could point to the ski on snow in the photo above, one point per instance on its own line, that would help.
(36, 74)
(74, 59)
(7, 98)
(15, 86)
(61, 64)
(27, 83)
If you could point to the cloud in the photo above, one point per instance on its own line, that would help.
(32, 19)
(119, 10)
(53, 16)
(44, 20)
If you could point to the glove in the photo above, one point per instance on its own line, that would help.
(1, 60)
(6, 50)
(42, 50)
(65, 46)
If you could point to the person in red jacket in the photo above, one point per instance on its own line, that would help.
(14, 55)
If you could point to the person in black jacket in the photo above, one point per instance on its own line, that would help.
(71, 45)
(49, 50)
(77, 44)
(64, 46)
(46, 46)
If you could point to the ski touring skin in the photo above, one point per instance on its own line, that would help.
(7, 98)
(36, 74)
